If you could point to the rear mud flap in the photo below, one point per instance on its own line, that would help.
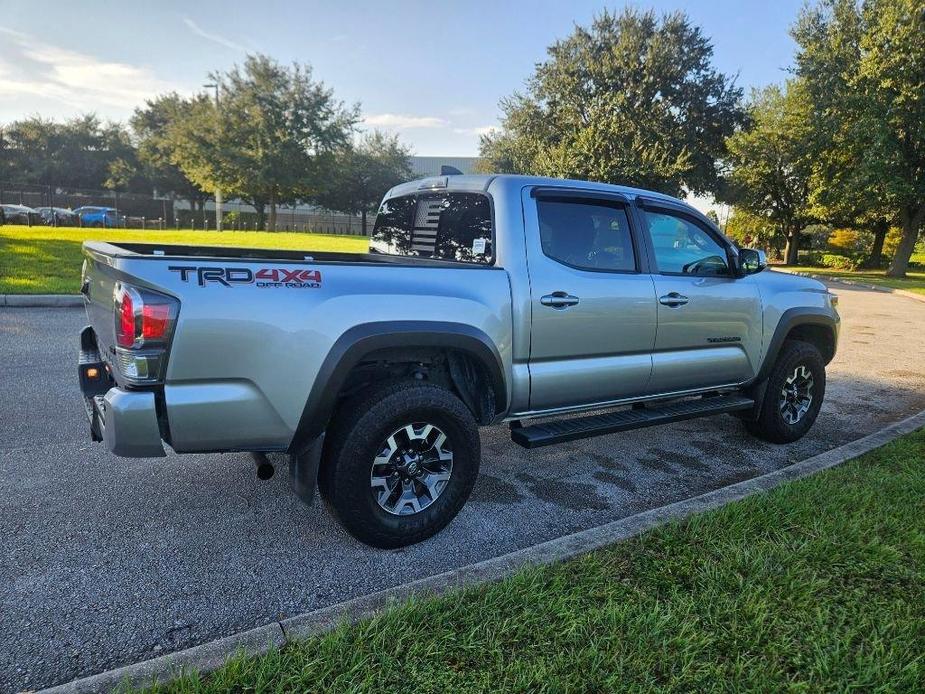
(303, 470)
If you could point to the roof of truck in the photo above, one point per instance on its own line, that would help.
(481, 182)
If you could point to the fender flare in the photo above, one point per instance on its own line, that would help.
(790, 319)
(357, 342)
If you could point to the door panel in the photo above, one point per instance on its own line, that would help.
(597, 348)
(709, 323)
(710, 340)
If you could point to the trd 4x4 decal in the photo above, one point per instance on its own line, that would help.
(265, 277)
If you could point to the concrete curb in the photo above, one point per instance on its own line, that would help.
(854, 283)
(211, 655)
(41, 300)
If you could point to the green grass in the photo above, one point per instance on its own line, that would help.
(818, 585)
(45, 260)
(913, 282)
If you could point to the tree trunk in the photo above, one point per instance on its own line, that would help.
(876, 252)
(261, 214)
(792, 251)
(363, 222)
(911, 220)
(272, 225)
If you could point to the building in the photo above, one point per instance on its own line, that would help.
(423, 167)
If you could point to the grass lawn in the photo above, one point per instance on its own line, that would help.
(46, 260)
(913, 282)
(818, 585)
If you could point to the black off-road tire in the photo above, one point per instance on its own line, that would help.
(360, 426)
(771, 425)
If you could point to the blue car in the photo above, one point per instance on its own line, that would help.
(98, 216)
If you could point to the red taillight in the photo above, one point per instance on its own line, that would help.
(155, 320)
(144, 323)
(125, 324)
(144, 318)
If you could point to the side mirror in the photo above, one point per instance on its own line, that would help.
(752, 261)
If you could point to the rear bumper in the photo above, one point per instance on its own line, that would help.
(126, 421)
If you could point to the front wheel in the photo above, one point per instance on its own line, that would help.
(400, 462)
(794, 394)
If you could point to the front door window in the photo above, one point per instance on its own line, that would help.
(683, 248)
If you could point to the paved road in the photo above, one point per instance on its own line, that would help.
(107, 561)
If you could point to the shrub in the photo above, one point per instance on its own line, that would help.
(846, 242)
(839, 262)
(811, 258)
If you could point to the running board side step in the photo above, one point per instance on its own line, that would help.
(562, 430)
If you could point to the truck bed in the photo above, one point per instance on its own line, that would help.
(157, 251)
(249, 343)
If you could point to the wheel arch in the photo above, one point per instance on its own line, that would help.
(807, 324)
(360, 341)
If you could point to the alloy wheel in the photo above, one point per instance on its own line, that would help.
(796, 396)
(412, 468)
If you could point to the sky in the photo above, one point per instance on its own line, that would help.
(433, 72)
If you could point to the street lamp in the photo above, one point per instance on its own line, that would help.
(218, 193)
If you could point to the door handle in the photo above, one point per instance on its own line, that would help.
(673, 299)
(559, 300)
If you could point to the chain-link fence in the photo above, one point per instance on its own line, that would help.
(139, 211)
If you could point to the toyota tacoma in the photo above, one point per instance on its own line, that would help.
(566, 309)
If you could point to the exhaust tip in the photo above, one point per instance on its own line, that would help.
(265, 471)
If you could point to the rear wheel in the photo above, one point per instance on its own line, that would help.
(794, 394)
(400, 463)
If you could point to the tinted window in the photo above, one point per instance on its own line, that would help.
(446, 226)
(586, 235)
(683, 248)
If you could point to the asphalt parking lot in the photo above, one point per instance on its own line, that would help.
(106, 561)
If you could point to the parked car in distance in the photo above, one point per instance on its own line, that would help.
(19, 214)
(91, 216)
(58, 216)
(484, 299)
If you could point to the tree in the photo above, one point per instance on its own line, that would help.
(633, 100)
(77, 153)
(6, 164)
(864, 68)
(151, 127)
(753, 231)
(363, 174)
(769, 163)
(272, 138)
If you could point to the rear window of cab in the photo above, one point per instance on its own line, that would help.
(441, 226)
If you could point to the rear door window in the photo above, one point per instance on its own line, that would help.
(443, 226)
(586, 235)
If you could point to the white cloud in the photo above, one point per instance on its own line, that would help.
(214, 38)
(32, 71)
(403, 122)
(482, 130)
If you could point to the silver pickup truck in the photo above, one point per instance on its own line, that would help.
(482, 299)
